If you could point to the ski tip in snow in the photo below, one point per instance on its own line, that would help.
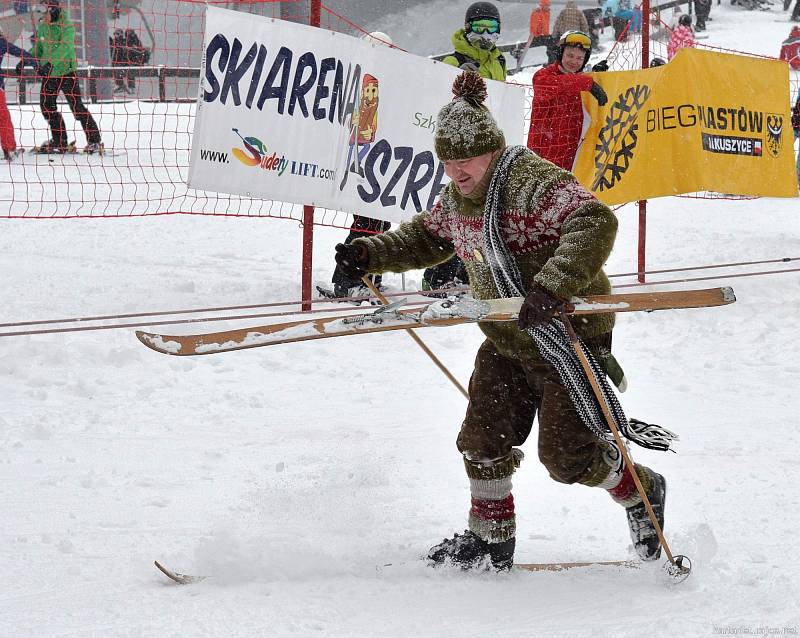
(727, 294)
(159, 343)
(181, 579)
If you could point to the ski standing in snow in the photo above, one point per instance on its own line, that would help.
(521, 225)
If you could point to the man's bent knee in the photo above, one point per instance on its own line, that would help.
(571, 466)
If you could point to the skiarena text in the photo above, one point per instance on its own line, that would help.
(300, 84)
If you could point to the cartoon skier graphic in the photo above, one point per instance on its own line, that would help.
(363, 128)
(254, 145)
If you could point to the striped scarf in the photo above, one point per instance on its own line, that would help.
(552, 338)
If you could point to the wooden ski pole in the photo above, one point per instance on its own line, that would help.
(587, 370)
(368, 283)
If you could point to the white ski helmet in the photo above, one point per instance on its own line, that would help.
(378, 37)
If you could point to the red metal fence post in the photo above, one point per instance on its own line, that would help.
(315, 12)
(314, 17)
(641, 265)
(641, 261)
(308, 249)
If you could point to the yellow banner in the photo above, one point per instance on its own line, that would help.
(704, 121)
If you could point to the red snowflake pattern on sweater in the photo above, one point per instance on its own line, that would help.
(523, 230)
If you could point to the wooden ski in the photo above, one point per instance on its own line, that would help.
(186, 579)
(181, 579)
(558, 567)
(446, 312)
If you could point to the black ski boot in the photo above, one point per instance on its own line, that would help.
(94, 147)
(470, 551)
(643, 533)
(51, 147)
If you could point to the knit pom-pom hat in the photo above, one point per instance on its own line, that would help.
(465, 128)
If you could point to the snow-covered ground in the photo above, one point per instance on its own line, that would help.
(293, 475)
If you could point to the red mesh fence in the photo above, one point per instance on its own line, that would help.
(132, 89)
(136, 72)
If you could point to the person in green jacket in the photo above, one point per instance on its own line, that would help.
(556, 236)
(475, 50)
(55, 45)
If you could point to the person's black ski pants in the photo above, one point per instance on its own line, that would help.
(48, 99)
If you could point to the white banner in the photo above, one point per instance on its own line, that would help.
(293, 113)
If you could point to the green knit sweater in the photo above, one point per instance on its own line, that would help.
(559, 233)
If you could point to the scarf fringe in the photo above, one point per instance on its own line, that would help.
(552, 338)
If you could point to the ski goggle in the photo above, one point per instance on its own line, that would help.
(485, 25)
(576, 39)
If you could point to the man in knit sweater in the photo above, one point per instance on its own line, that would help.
(560, 235)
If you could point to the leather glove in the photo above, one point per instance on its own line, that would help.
(600, 67)
(539, 307)
(469, 66)
(353, 260)
(599, 94)
(45, 69)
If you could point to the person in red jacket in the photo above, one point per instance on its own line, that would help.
(790, 48)
(557, 113)
(7, 139)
